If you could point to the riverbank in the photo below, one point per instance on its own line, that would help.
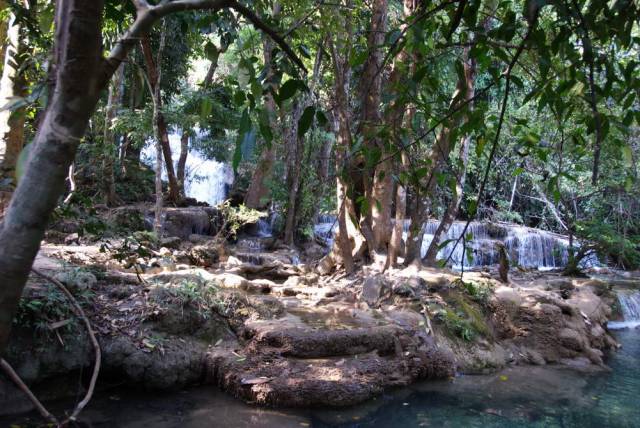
(524, 396)
(271, 331)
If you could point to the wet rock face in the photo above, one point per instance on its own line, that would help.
(183, 222)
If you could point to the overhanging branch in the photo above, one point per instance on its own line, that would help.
(148, 14)
(259, 24)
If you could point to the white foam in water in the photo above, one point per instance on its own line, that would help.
(526, 247)
(630, 306)
(206, 180)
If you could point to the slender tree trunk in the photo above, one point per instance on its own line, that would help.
(110, 143)
(12, 85)
(258, 193)
(161, 133)
(293, 146)
(153, 70)
(3, 35)
(452, 209)
(468, 86)
(395, 246)
(78, 60)
(182, 161)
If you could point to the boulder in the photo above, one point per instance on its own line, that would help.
(204, 255)
(172, 242)
(373, 289)
(77, 280)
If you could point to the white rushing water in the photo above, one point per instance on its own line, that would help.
(630, 307)
(206, 180)
(526, 247)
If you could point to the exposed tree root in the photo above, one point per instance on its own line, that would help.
(96, 347)
(24, 388)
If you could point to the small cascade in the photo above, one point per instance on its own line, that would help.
(526, 247)
(206, 180)
(325, 228)
(264, 228)
(630, 307)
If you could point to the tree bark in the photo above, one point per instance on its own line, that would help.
(79, 75)
(153, 71)
(78, 59)
(378, 181)
(293, 146)
(182, 161)
(160, 132)
(258, 193)
(3, 36)
(110, 143)
(397, 114)
(12, 85)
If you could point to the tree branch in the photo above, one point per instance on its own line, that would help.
(259, 24)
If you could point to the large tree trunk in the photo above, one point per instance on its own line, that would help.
(110, 143)
(77, 89)
(12, 85)
(258, 194)
(160, 123)
(378, 179)
(397, 115)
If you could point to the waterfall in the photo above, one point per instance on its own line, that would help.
(206, 180)
(630, 307)
(526, 247)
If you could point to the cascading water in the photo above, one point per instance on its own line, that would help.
(527, 247)
(206, 180)
(630, 307)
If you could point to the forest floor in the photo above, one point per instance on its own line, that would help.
(266, 328)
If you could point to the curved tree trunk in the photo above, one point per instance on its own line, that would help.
(78, 57)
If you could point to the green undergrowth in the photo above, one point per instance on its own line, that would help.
(463, 315)
(48, 312)
(200, 296)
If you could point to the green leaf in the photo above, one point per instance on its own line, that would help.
(627, 155)
(206, 107)
(211, 51)
(245, 136)
(321, 118)
(518, 171)
(480, 143)
(289, 89)
(306, 120)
